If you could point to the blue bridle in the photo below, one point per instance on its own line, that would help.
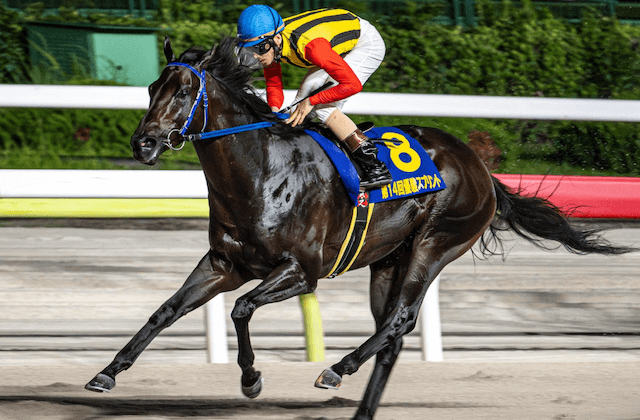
(202, 96)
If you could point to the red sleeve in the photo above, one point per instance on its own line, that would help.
(273, 77)
(319, 53)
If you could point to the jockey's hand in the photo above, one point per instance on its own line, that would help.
(299, 114)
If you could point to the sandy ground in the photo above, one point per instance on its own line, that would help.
(540, 336)
(418, 390)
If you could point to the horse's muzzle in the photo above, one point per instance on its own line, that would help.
(147, 149)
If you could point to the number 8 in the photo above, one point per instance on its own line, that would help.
(395, 150)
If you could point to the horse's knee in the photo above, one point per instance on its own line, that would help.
(409, 326)
(402, 322)
(243, 310)
(165, 315)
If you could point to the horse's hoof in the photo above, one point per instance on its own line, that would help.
(101, 383)
(328, 380)
(254, 390)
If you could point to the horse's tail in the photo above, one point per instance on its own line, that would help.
(536, 219)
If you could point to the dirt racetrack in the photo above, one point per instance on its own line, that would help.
(417, 391)
(522, 339)
(439, 391)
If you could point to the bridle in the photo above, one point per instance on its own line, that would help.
(202, 97)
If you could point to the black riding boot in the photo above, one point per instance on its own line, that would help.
(375, 173)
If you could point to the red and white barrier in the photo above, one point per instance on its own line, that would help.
(596, 197)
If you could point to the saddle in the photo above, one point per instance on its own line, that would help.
(326, 132)
(410, 165)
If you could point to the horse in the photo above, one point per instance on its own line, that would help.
(279, 213)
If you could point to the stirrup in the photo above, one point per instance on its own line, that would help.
(365, 126)
(373, 184)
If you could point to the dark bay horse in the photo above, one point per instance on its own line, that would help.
(279, 213)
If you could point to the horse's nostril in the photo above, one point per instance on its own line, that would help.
(147, 143)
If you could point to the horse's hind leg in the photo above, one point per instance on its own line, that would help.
(383, 295)
(287, 280)
(203, 284)
(385, 359)
(401, 319)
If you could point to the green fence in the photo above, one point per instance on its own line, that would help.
(446, 12)
(572, 10)
(462, 12)
(141, 8)
(125, 54)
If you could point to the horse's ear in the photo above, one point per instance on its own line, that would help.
(168, 51)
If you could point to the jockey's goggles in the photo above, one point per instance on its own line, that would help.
(247, 58)
(261, 48)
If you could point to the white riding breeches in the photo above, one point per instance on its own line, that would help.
(364, 59)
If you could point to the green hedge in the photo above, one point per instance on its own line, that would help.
(54, 129)
(513, 51)
(13, 52)
(74, 139)
(521, 52)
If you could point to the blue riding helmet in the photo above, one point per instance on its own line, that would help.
(257, 23)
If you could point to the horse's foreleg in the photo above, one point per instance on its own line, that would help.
(287, 280)
(203, 284)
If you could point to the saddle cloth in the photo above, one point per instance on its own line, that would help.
(411, 168)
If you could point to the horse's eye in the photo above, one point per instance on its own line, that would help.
(183, 93)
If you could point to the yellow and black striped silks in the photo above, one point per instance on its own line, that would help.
(340, 27)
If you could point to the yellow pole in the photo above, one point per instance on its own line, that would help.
(104, 207)
(312, 327)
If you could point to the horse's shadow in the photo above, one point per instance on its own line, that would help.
(206, 407)
(183, 407)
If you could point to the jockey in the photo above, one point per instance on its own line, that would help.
(335, 45)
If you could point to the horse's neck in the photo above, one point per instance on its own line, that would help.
(232, 161)
(233, 158)
(223, 114)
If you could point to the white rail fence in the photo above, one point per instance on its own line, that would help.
(401, 104)
(98, 183)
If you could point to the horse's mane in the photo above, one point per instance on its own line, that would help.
(235, 78)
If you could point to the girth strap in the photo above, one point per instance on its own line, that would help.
(355, 239)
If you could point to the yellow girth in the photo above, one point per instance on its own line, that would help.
(353, 242)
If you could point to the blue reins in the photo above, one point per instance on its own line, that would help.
(202, 96)
(227, 131)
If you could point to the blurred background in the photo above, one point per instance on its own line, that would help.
(76, 289)
(587, 49)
